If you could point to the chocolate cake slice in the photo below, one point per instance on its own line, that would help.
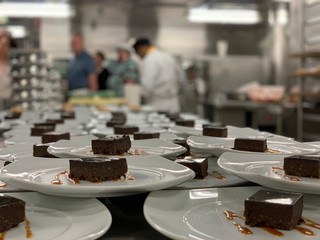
(97, 169)
(145, 135)
(54, 137)
(41, 150)
(12, 212)
(44, 124)
(115, 122)
(39, 131)
(68, 115)
(125, 129)
(185, 123)
(251, 145)
(7, 163)
(55, 120)
(280, 210)
(12, 115)
(112, 145)
(183, 142)
(116, 114)
(198, 165)
(215, 131)
(302, 166)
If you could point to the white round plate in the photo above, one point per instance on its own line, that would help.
(260, 169)
(17, 151)
(26, 131)
(150, 173)
(277, 146)
(185, 132)
(81, 147)
(217, 177)
(314, 144)
(4, 187)
(4, 127)
(103, 132)
(61, 218)
(198, 214)
(25, 138)
(233, 132)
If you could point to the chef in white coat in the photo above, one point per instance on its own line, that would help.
(5, 78)
(161, 76)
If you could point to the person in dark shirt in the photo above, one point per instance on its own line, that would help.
(81, 70)
(102, 73)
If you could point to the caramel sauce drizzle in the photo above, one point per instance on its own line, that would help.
(273, 231)
(311, 223)
(28, 228)
(305, 231)
(135, 152)
(230, 216)
(2, 185)
(273, 151)
(217, 175)
(128, 176)
(278, 171)
(3, 235)
(57, 180)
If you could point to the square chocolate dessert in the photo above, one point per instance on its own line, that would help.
(145, 135)
(55, 120)
(212, 125)
(12, 212)
(12, 115)
(41, 150)
(115, 122)
(185, 123)
(125, 129)
(280, 210)
(112, 145)
(54, 137)
(198, 165)
(97, 169)
(68, 115)
(215, 131)
(251, 145)
(183, 142)
(39, 131)
(302, 166)
(44, 124)
(7, 163)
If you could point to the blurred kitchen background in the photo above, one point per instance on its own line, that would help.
(258, 58)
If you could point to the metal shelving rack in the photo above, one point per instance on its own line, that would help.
(310, 70)
(35, 85)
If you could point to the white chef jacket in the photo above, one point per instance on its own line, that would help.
(5, 82)
(160, 79)
(5, 85)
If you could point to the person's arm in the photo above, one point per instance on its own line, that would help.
(92, 76)
(93, 82)
(148, 76)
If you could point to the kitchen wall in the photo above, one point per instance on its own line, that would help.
(106, 25)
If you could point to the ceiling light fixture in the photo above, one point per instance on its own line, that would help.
(203, 14)
(33, 10)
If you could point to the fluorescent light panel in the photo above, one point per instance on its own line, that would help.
(34, 10)
(17, 31)
(226, 16)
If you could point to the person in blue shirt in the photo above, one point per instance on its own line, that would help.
(81, 72)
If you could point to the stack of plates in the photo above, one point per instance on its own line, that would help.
(190, 209)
